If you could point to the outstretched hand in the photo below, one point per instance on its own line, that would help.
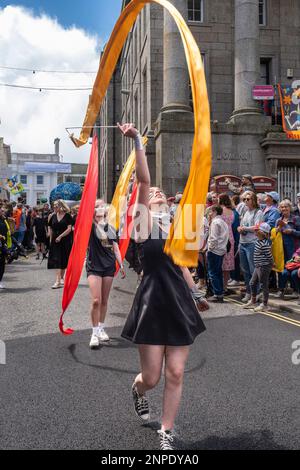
(128, 130)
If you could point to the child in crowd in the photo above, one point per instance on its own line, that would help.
(263, 262)
(39, 230)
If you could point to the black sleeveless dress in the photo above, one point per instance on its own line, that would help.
(163, 310)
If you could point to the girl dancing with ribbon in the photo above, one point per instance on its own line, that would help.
(164, 320)
(103, 251)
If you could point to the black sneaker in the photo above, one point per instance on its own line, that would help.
(166, 439)
(141, 405)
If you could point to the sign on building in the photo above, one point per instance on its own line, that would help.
(39, 167)
(263, 92)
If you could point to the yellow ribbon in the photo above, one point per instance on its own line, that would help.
(184, 238)
(118, 203)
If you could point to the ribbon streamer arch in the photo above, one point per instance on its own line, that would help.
(184, 248)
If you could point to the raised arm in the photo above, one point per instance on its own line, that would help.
(141, 213)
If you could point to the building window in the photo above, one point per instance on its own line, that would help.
(195, 10)
(23, 179)
(262, 13)
(265, 71)
(39, 179)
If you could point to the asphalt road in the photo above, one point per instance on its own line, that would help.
(241, 388)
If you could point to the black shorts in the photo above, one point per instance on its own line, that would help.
(107, 273)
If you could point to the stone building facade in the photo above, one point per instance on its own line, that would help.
(243, 43)
(5, 160)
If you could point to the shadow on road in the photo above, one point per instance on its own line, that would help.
(256, 440)
(20, 290)
(123, 291)
(120, 345)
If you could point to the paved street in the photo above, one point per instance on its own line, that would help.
(241, 388)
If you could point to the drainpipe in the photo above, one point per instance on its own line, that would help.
(114, 133)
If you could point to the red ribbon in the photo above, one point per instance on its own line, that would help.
(126, 233)
(81, 234)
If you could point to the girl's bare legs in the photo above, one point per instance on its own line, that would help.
(59, 275)
(151, 359)
(95, 285)
(175, 359)
(106, 286)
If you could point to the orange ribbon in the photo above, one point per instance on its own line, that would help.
(184, 238)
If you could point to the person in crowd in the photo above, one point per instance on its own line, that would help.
(46, 214)
(74, 213)
(271, 215)
(261, 200)
(20, 220)
(164, 320)
(271, 211)
(235, 275)
(263, 263)
(216, 249)
(174, 206)
(212, 199)
(201, 270)
(60, 226)
(297, 208)
(246, 185)
(251, 219)
(28, 238)
(292, 273)
(241, 207)
(3, 241)
(228, 217)
(289, 226)
(103, 251)
(40, 234)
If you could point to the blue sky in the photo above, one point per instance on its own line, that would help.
(95, 16)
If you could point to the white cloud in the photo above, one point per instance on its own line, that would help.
(31, 120)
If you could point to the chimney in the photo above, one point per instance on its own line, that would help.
(56, 143)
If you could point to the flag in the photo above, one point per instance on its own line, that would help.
(81, 234)
(290, 109)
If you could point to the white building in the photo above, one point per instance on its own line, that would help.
(38, 174)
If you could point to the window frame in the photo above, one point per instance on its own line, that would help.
(37, 180)
(194, 10)
(24, 182)
(262, 3)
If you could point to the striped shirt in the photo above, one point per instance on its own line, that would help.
(263, 253)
